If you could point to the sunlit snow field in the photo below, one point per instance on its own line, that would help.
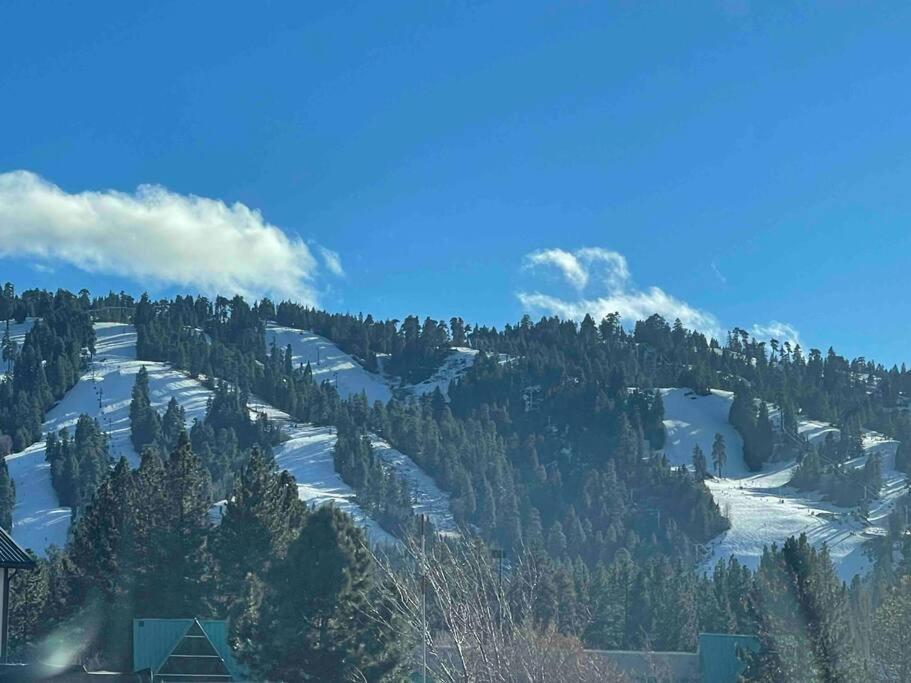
(104, 392)
(761, 507)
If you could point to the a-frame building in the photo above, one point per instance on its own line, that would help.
(184, 651)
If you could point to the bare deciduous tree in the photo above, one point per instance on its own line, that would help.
(479, 625)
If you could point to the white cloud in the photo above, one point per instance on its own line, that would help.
(610, 271)
(158, 237)
(783, 332)
(576, 266)
(332, 261)
(568, 265)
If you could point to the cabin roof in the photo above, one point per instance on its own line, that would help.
(12, 556)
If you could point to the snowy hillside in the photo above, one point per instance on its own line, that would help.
(429, 499)
(17, 331)
(329, 363)
(761, 507)
(460, 358)
(103, 392)
(307, 454)
(690, 419)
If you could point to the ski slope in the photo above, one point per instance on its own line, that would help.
(329, 363)
(307, 454)
(103, 392)
(455, 365)
(690, 419)
(17, 332)
(761, 507)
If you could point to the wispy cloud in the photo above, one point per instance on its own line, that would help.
(783, 332)
(156, 236)
(576, 266)
(609, 272)
(332, 261)
(718, 274)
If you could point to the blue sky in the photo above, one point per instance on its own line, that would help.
(742, 162)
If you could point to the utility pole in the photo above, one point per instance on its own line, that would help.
(423, 602)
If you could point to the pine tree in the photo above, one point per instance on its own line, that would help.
(261, 518)
(700, 467)
(7, 496)
(307, 619)
(801, 611)
(719, 454)
(145, 424)
(173, 422)
(103, 558)
(892, 623)
(179, 581)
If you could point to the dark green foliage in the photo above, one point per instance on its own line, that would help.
(414, 349)
(173, 422)
(140, 548)
(755, 428)
(145, 423)
(263, 516)
(380, 493)
(47, 364)
(827, 469)
(309, 618)
(225, 438)
(78, 465)
(7, 496)
(801, 609)
(719, 454)
(179, 542)
(700, 465)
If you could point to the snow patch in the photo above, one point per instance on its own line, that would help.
(761, 507)
(329, 363)
(102, 392)
(691, 419)
(307, 454)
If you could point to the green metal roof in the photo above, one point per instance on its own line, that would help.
(155, 639)
(718, 656)
(12, 556)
